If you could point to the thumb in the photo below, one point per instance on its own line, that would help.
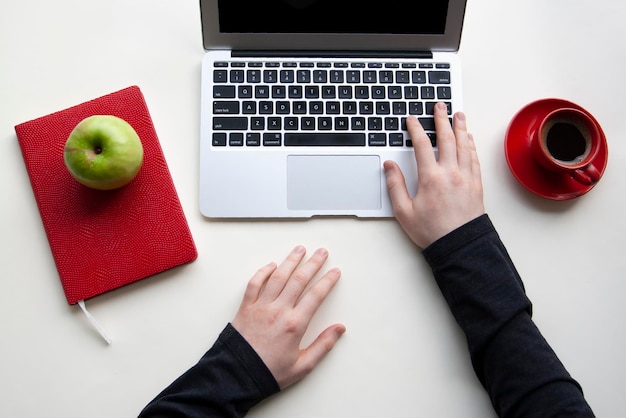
(311, 356)
(396, 185)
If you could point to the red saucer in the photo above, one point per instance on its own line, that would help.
(545, 183)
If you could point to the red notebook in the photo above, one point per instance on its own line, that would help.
(102, 240)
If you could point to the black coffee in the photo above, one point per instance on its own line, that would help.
(565, 142)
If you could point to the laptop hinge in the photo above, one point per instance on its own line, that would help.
(331, 54)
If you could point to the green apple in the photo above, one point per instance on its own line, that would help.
(103, 152)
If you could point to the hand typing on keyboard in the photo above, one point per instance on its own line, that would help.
(449, 191)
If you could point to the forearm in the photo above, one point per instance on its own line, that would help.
(227, 381)
(521, 373)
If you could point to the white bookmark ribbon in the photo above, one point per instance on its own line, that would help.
(94, 323)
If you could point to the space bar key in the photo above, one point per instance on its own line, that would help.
(325, 139)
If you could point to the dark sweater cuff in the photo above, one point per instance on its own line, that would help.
(250, 360)
(458, 238)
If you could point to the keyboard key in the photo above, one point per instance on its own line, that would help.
(357, 123)
(235, 139)
(324, 139)
(230, 123)
(308, 123)
(353, 76)
(272, 140)
(361, 92)
(369, 77)
(283, 107)
(287, 76)
(312, 92)
(411, 92)
(394, 92)
(304, 76)
(329, 92)
(349, 108)
(248, 107)
(439, 77)
(266, 107)
(291, 123)
(428, 92)
(418, 77)
(295, 92)
(219, 139)
(220, 76)
(377, 140)
(378, 92)
(399, 108)
(402, 77)
(274, 123)
(299, 107)
(320, 76)
(427, 123)
(237, 76)
(244, 92)
(341, 123)
(254, 76)
(279, 92)
(257, 123)
(253, 139)
(324, 124)
(316, 108)
(345, 92)
(396, 139)
(392, 124)
(444, 93)
(270, 76)
(375, 123)
(383, 108)
(430, 108)
(386, 77)
(225, 107)
(224, 92)
(261, 92)
(336, 76)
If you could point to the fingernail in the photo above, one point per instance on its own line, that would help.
(460, 116)
(442, 106)
(322, 251)
(299, 249)
(335, 271)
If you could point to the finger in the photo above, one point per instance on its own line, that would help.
(301, 277)
(446, 141)
(463, 148)
(316, 294)
(422, 147)
(311, 356)
(398, 193)
(281, 274)
(256, 283)
(475, 163)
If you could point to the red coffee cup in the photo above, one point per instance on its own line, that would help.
(567, 141)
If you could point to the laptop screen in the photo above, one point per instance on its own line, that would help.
(331, 16)
(327, 25)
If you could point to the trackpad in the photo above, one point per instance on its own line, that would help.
(333, 182)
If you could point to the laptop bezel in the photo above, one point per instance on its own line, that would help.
(448, 42)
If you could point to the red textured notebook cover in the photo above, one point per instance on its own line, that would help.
(102, 240)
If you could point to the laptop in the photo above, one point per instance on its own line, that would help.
(302, 101)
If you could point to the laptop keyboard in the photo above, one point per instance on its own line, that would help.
(361, 104)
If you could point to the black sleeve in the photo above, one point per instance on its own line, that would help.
(522, 374)
(227, 381)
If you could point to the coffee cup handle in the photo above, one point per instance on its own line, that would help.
(587, 175)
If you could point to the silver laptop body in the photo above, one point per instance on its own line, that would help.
(303, 100)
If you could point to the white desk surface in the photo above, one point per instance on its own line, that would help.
(403, 355)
